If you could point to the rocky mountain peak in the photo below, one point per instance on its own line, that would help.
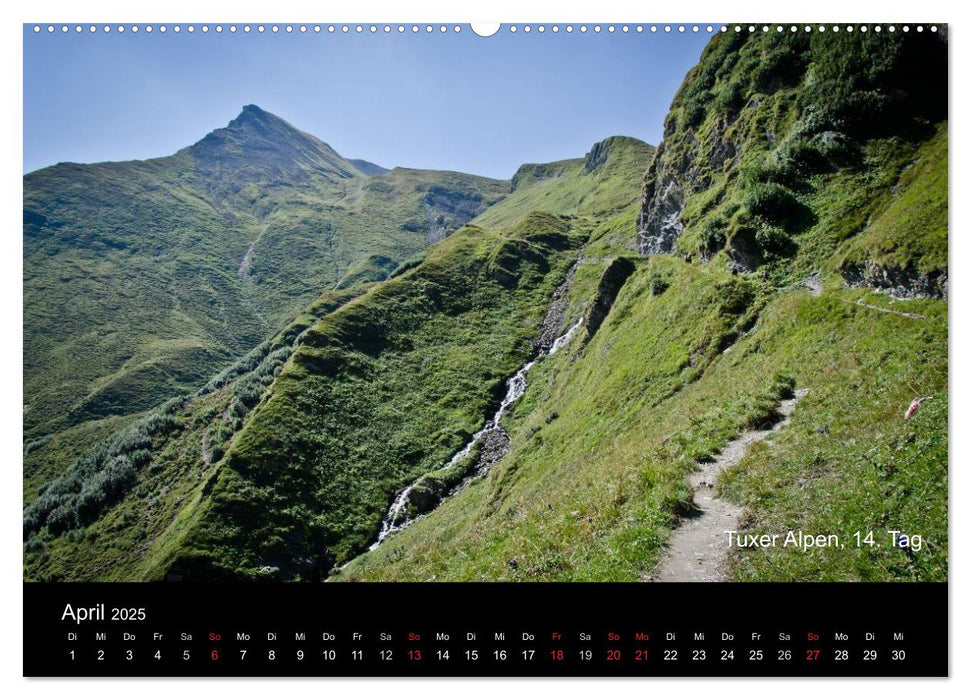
(259, 143)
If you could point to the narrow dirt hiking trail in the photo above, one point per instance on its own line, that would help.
(904, 314)
(697, 549)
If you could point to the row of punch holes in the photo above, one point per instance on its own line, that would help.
(483, 30)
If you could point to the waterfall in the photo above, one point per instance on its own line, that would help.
(396, 517)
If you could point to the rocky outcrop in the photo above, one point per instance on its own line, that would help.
(601, 151)
(906, 283)
(660, 224)
(676, 172)
(556, 312)
(722, 151)
(530, 173)
(744, 251)
(446, 209)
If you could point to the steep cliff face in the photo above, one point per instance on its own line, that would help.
(786, 147)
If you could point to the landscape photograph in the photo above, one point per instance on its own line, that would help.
(406, 303)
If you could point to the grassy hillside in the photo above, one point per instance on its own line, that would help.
(812, 165)
(93, 512)
(436, 342)
(601, 183)
(607, 433)
(790, 233)
(141, 279)
(779, 150)
(376, 394)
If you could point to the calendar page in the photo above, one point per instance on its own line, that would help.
(517, 349)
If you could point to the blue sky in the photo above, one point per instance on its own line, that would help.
(445, 101)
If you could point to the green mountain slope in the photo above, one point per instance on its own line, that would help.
(367, 167)
(142, 278)
(436, 343)
(780, 151)
(598, 185)
(788, 239)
